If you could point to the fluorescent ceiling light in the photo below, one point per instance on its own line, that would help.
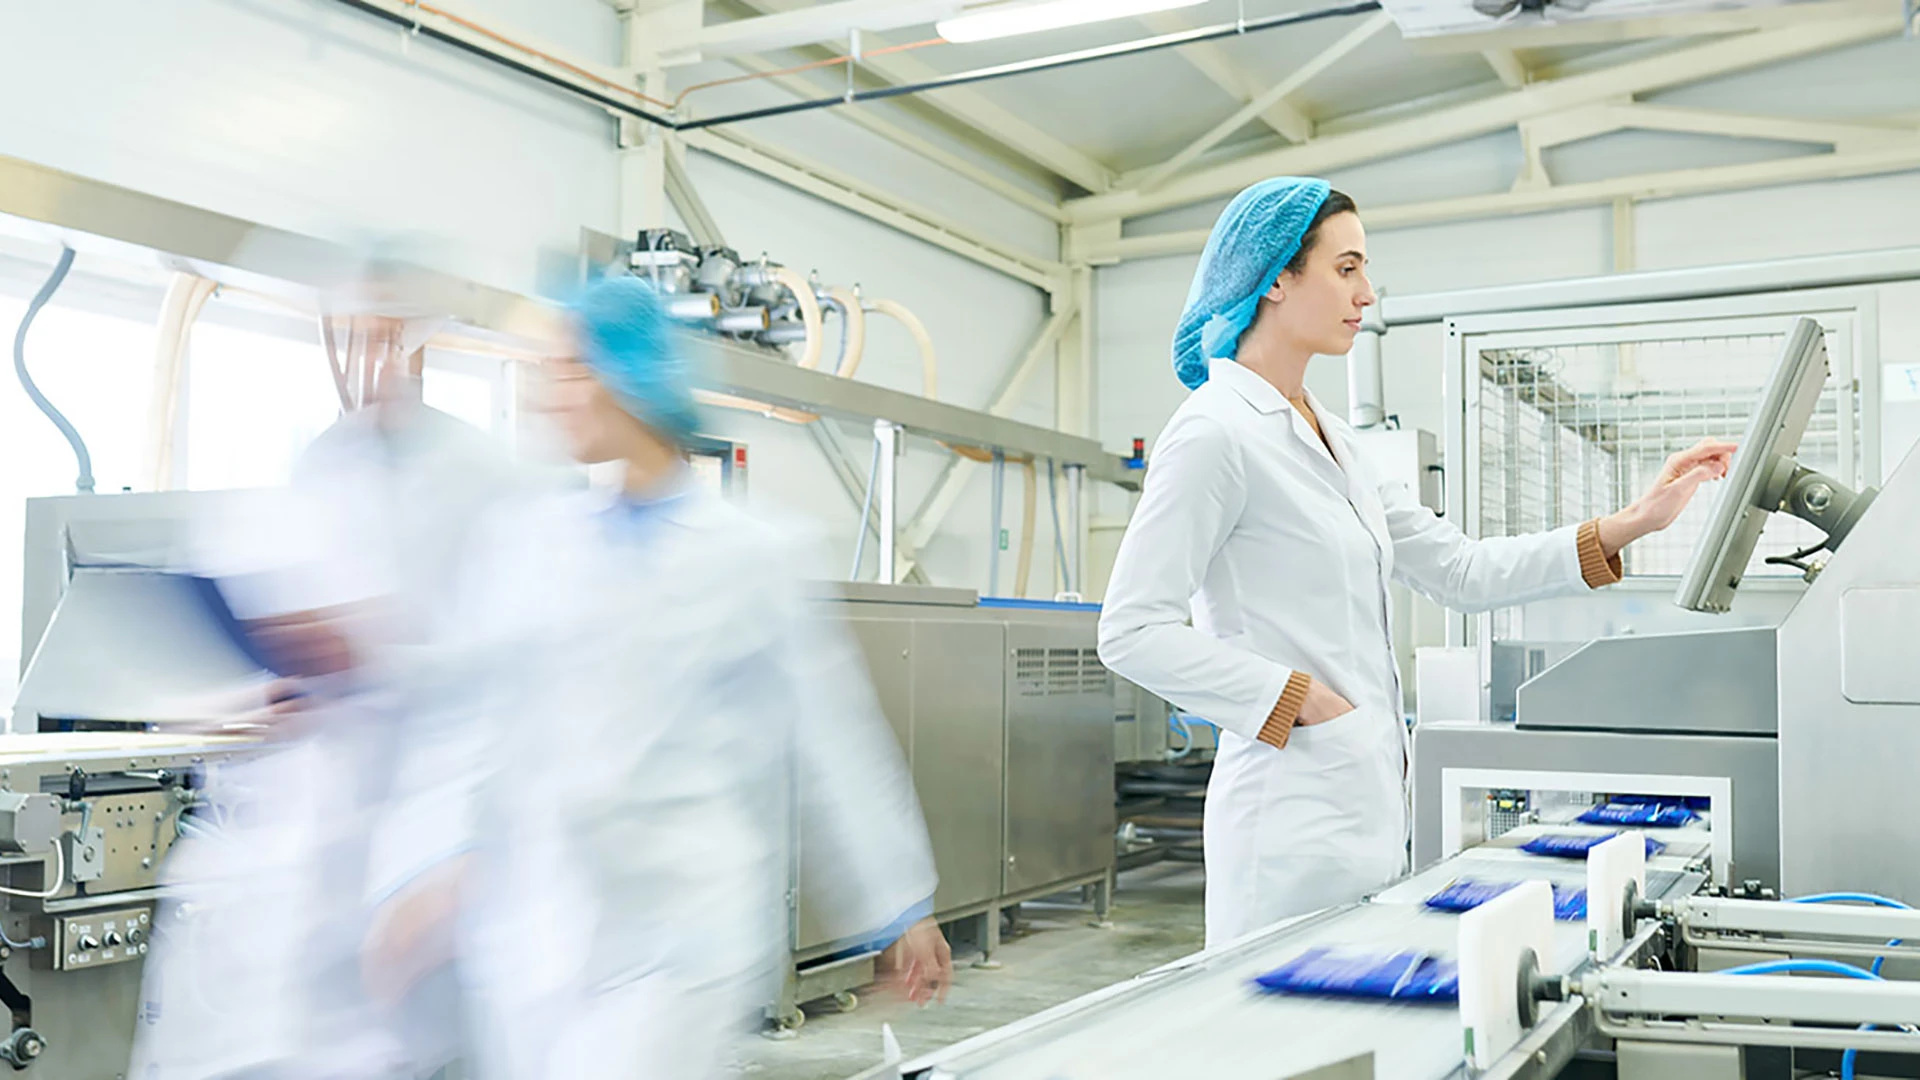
(1007, 19)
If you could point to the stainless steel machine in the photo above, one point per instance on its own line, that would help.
(91, 806)
(1794, 743)
(1008, 722)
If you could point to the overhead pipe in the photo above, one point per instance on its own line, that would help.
(853, 329)
(83, 483)
(1236, 28)
(802, 291)
(929, 359)
(186, 295)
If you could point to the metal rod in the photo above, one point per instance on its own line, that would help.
(1775, 997)
(993, 541)
(1076, 479)
(886, 439)
(1723, 1034)
(1044, 63)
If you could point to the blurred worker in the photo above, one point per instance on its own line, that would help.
(340, 580)
(1262, 523)
(605, 853)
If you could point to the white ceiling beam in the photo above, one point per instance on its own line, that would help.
(1209, 59)
(974, 110)
(846, 191)
(1793, 170)
(1737, 20)
(833, 22)
(1842, 136)
(1295, 79)
(1506, 64)
(871, 120)
(1488, 115)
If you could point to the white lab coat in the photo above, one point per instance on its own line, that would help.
(255, 963)
(653, 681)
(1281, 554)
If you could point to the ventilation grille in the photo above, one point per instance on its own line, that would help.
(1056, 672)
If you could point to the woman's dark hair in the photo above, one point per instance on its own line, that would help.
(1337, 202)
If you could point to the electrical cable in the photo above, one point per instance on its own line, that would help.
(59, 879)
(85, 481)
(30, 943)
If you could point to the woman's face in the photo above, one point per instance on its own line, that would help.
(1320, 306)
(594, 425)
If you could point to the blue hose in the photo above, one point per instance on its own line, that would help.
(1828, 967)
(1851, 1058)
(1850, 898)
(85, 481)
(1825, 967)
(1179, 727)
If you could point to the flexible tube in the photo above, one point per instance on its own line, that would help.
(1850, 898)
(1028, 503)
(59, 878)
(929, 360)
(866, 509)
(853, 333)
(1180, 728)
(187, 294)
(802, 290)
(84, 482)
(30, 943)
(1823, 967)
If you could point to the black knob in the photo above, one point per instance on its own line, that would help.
(88, 941)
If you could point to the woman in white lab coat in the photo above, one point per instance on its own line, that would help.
(1261, 525)
(605, 853)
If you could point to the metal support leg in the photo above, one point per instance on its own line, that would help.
(993, 540)
(886, 435)
(1076, 571)
(989, 940)
(1103, 902)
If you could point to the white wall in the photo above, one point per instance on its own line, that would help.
(308, 116)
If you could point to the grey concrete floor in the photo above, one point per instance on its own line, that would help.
(1054, 957)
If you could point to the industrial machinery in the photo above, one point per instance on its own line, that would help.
(1007, 718)
(1766, 723)
(1785, 752)
(91, 806)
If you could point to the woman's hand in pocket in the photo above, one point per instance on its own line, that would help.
(1322, 705)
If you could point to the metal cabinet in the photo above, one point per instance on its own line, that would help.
(1059, 709)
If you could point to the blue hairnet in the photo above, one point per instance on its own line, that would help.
(1257, 235)
(628, 342)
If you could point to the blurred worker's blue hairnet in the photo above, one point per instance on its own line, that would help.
(1257, 235)
(628, 342)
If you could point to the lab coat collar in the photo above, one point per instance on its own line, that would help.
(1261, 394)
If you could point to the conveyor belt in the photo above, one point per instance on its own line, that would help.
(1201, 1016)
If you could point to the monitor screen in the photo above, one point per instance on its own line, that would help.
(1773, 435)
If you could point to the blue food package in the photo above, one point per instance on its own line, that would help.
(1659, 815)
(1337, 972)
(1465, 894)
(1570, 846)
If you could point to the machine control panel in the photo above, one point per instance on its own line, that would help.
(98, 938)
